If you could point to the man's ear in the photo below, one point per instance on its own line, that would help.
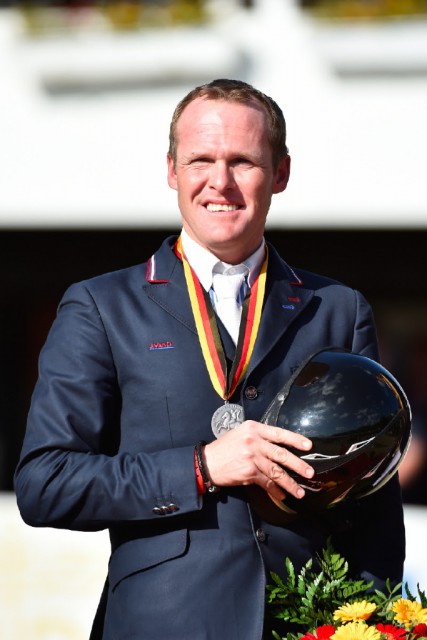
(172, 179)
(282, 175)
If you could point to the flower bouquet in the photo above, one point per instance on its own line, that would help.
(328, 605)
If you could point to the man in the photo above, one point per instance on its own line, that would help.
(138, 371)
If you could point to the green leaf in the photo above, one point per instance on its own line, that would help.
(422, 596)
(310, 598)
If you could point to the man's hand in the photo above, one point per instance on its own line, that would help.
(250, 454)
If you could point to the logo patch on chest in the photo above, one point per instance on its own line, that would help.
(161, 345)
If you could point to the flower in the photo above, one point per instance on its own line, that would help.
(321, 633)
(327, 604)
(356, 631)
(420, 630)
(325, 631)
(390, 631)
(407, 612)
(356, 611)
(422, 616)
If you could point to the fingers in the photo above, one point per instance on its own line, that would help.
(255, 453)
(280, 467)
(275, 459)
(279, 478)
(286, 460)
(285, 437)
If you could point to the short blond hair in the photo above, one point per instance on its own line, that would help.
(243, 93)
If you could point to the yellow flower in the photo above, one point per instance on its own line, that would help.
(408, 612)
(356, 631)
(356, 611)
(422, 616)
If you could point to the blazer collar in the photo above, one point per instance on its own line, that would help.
(165, 284)
(285, 296)
(162, 263)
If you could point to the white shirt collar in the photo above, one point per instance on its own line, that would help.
(203, 262)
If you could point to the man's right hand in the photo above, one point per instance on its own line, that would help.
(255, 453)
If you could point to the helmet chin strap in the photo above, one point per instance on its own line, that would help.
(282, 506)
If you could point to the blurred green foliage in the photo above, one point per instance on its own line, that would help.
(44, 17)
(366, 9)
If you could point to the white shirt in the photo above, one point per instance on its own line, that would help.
(204, 264)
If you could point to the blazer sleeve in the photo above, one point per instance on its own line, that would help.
(70, 474)
(365, 341)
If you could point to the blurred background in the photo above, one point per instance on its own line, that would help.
(87, 90)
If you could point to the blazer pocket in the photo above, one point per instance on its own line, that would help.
(143, 553)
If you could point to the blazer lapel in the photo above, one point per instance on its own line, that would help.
(165, 284)
(285, 298)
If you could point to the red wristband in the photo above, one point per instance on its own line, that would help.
(201, 489)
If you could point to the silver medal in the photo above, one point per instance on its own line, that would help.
(226, 418)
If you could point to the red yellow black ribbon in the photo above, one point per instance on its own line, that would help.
(224, 382)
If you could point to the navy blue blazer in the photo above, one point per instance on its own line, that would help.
(123, 395)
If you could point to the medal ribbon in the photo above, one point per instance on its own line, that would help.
(223, 382)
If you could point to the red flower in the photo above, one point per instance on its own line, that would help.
(322, 633)
(391, 632)
(325, 632)
(420, 630)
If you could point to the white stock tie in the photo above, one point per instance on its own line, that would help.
(227, 288)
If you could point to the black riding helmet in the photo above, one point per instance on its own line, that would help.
(359, 420)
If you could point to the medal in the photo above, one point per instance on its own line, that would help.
(226, 418)
(225, 382)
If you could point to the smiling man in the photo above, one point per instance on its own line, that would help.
(153, 381)
(224, 173)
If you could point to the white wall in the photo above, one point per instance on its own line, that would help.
(83, 159)
(50, 581)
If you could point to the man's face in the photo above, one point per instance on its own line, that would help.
(224, 176)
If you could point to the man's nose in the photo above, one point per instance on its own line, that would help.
(221, 176)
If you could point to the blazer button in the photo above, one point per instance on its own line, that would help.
(251, 393)
(158, 511)
(172, 508)
(260, 535)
